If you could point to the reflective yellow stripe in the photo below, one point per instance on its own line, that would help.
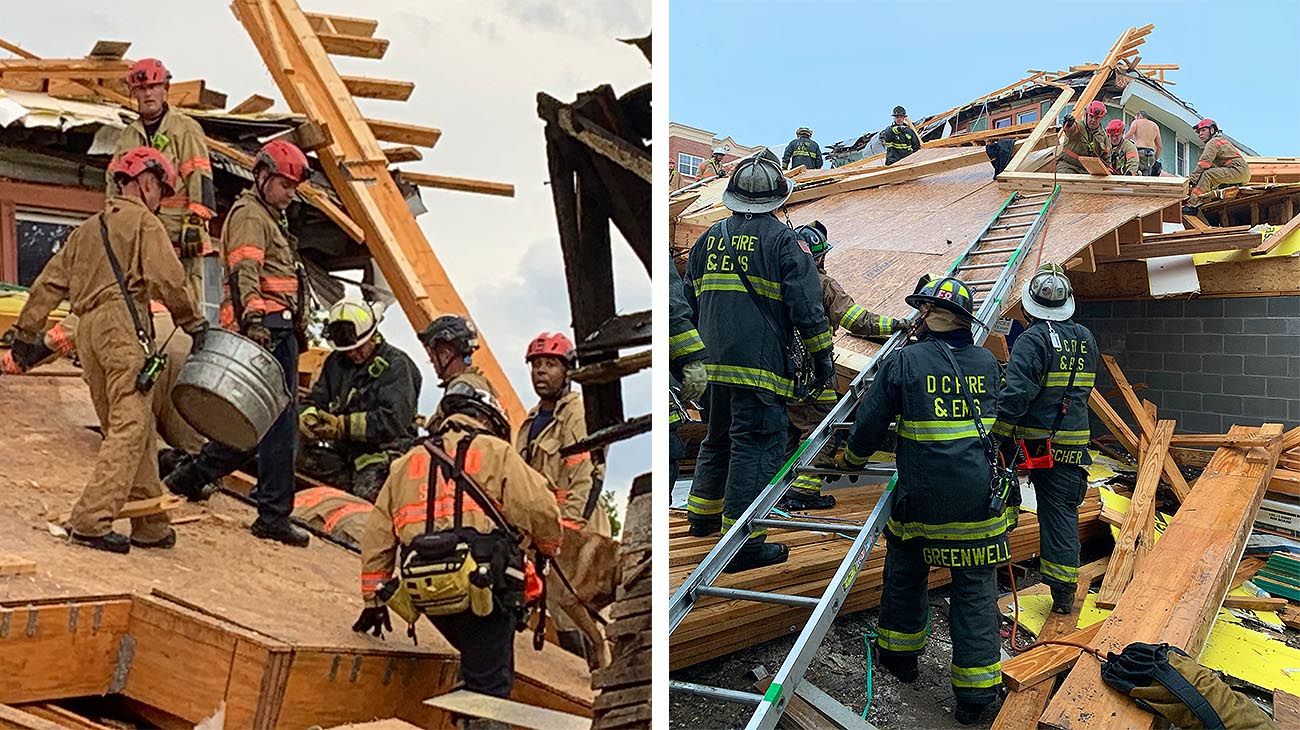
(701, 506)
(853, 458)
(1058, 572)
(366, 460)
(685, 343)
(828, 396)
(851, 316)
(1061, 380)
(989, 675)
(728, 523)
(937, 430)
(899, 641)
(357, 426)
(808, 483)
(1062, 438)
(750, 378)
(818, 343)
(1002, 428)
(720, 281)
(982, 530)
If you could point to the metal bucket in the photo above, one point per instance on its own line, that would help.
(231, 391)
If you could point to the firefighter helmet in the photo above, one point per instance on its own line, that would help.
(814, 235)
(453, 329)
(552, 344)
(719, 151)
(1096, 109)
(803, 131)
(757, 186)
(1048, 294)
(283, 158)
(948, 293)
(1204, 123)
(461, 397)
(1114, 127)
(145, 159)
(352, 322)
(900, 111)
(147, 72)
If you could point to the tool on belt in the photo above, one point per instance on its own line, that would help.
(154, 362)
(1037, 454)
(1003, 479)
(798, 359)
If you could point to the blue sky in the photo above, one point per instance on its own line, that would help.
(758, 69)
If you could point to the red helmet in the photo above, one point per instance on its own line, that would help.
(146, 159)
(1204, 123)
(284, 159)
(552, 344)
(1096, 108)
(147, 71)
(1116, 126)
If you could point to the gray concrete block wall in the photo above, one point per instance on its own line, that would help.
(1208, 363)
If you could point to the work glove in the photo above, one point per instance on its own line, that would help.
(823, 371)
(256, 331)
(694, 380)
(198, 336)
(898, 325)
(27, 354)
(842, 461)
(1068, 122)
(191, 236)
(373, 620)
(307, 422)
(329, 427)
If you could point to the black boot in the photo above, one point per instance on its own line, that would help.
(113, 542)
(704, 526)
(169, 459)
(187, 481)
(285, 532)
(168, 541)
(968, 713)
(799, 500)
(758, 555)
(1062, 598)
(906, 668)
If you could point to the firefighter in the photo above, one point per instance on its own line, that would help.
(468, 425)
(115, 345)
(186, 212)
(806, 491)
(749, 336)
(674, 177)
(450, 342)
(1043, 410)
(1221, 164)
(900, 138)
(802, 150)
(555, 423)
(1083, 140)
(942, 512)
(1123, 158)
(686, 356)
(713, 166)
(361, 412)
(267, 304)
(340, 514)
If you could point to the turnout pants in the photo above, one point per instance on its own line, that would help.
(804, 417)
(1068, 165)
(738, 456)
(1216, 177)
(973, 619)
(487, 649)
(335, 465)
(126, 466)
(1059, 491)
(1146, 160)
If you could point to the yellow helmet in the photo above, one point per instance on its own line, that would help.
(352, 322)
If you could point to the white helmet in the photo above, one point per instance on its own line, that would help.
(1048, 294)
(352, 322)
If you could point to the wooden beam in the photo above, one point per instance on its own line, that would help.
(195, 95)
(1174, 598)
(1147, 426)
(1219, 440)
(405, 153)
(1273, 240)
(1128, 40)
(403, 133)
(1291, 440)
(1136, 535)
(1184, 246)
(141, 507)
(254, 104)
(1254, 603)
(1285, 482)
(1047, 122)
(372, 88)
(338, 44)
(61, 649)
(1171, 187)
(1047, 661)
(12, 718)
(65, 718)
(609, 371)
(63, 68)
(16, 565)
(363, 27)
(463, 184)
(1111, 420)
(109, 50)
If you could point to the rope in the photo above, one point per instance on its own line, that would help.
(1015, 627)
(1042, 239)
(867, 637)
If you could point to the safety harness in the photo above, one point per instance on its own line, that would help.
(1040, 456)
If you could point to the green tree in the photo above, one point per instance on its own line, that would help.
(615, 524)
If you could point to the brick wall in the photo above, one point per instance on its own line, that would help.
(1209, 363)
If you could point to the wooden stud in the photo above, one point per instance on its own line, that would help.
(372, 88)
(1219, 440)
(254, 104)
(337, 44)
(403, 133)
(463, 184)
(406, 153)
(141, 507)
(195, 95)
(1254, 603)
(1147, 426)
(1046, 661)
(342, 24)
(63, 68)
(109, 50)
(13, 718)
(1276, 238)
(1047, 122)
(1136, 536)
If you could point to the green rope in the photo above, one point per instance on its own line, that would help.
(867, 638)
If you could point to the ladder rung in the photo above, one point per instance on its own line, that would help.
(1017, 215)
(1023, 205)
(1013, 237)
(808, 525)
(1011, 225)
(981, 282)
(717, 693)
(972, 267)
(990, 251)
(1025, 196)
(759, 596)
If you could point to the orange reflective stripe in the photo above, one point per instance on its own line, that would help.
(310, 497)
(246, 252)
(444, 507)
(418, 466)
(550, 547)
(280, 284)
(255, 304)
(578, 458)
(1204, 164)
(333, 518)
(156, 307)
(561, 496)
(194, 163)
(202, 211)
(226, 316)
(58, 340)
(179, 200)
(8, 366)
(1197, 191)
(571, 524)
(370, 582)
(1132, 155)
(473, 461)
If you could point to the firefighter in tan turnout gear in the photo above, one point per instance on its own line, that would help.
(1123, 159)
(109, 269)
(1086, 139)
(461, 562)
(589, 557)
(185, 212)
(1220, 164)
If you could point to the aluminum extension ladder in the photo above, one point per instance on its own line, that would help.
(1001, 247)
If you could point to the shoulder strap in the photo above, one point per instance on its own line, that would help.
(1064, 406)
(140, 332)
(753, 295)
(465, 484)
(962, 386)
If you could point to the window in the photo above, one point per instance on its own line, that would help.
(689, 165)
(1027, 117)
(41, 234)
(1003, 122)
(1181, 162)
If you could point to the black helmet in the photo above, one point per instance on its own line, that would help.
(900, 111)
(461, 397)
(454, 329)
(948, 293)
(757, 185)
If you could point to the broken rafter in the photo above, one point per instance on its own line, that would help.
(1137, 534)
(463, 184)
(1272, 241)
(1040, 130)
(350, 45)
(326, 23)
(254, 104)
(195, 95)
(1126, 45)
(1147, 426)
(372, 88)
(403, 133)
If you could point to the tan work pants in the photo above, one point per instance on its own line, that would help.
(590, 562)
(127, 464)
(1214, 177)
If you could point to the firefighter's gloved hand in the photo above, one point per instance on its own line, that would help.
(191, 236)
(842, 461)
(1069, 121)
(898, 325)
(27, 354)
(198, 336)
(373, 620)
(254, 330)
(328, 427)
(694, 379)
(823, 369)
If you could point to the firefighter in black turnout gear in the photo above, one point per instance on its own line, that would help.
(943, 514)
(686, 356)
(757, 303)
(1043, 414)
(802, 150)
(900, 138)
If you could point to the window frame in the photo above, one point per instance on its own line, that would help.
(53, 199)
(998, 123)
(51, 216)
(1020, 116)
(1182, 157)
(683, 162)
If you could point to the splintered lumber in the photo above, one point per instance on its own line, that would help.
(403, 133)
(109, 50)
(253, 105)
(1049, 660)
(1174, 597)
(1111, 420)
(1172, 474)
(1291, 439)
(1047, 122)
(371, 88)
(463, 184)
(1138, 532)
(1285, 482)
(12, 718)
(140, 507)
(406, 153)
(327, 23)
(1290, 615)
(1254, 603)
(195, 95)
(1126, 45)
(338, 44)
(1276, 238)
